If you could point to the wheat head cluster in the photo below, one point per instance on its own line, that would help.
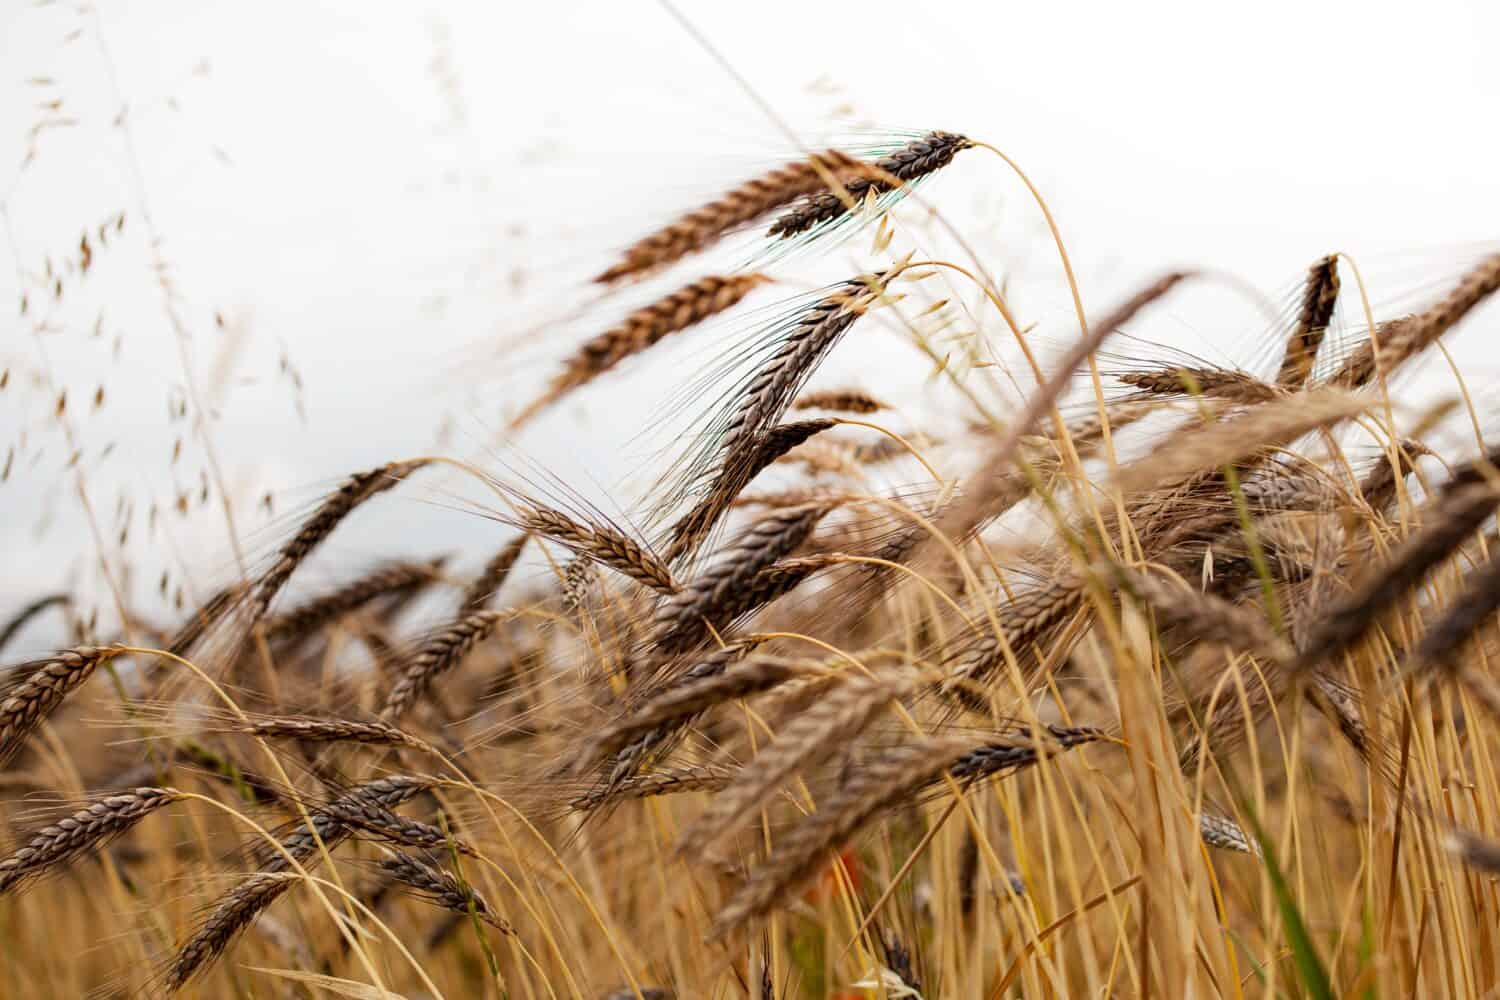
(1152, 679)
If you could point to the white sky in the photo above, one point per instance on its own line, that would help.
(379, 191)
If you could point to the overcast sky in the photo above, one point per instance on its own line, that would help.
(358, 203)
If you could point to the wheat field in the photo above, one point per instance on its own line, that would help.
(1096, 676)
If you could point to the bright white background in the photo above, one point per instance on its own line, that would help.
(372, 197)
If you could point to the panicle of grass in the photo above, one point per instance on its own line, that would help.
(831, 723)
(1402, 339)
(321, 523)
(1217, 383)
(683, 619)
(1449, 521)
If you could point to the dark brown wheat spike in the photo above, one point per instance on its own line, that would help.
(42, 685)
(394, 580)
(235, 911)
(839, 401)
(1448, 523)
(82, 832)
(440, 887)
(302, 845)
(1405, 338)
(330, 513)
(1320, 295)
(765, 398)
(643, 329)
(810, 736)
(438, 653)
(684, 618)
(600, 543)
(488, 582)
(699, 521)
(1218, 383)
(377, 821)
(910, 163)
(798, 854)
(746, 203)
(318, 729)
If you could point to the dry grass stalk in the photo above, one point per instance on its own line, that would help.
(644, 329)
(24, 617)
(746, 203)
(40, 687)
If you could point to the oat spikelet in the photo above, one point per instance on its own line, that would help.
(839, 401)
(40, 687)
(438, 653)
(494, 574)
(643, 329)
(746, 203)
(1319, 297)
(235, 911)
(910, 163)
(356, 490)
(82, 832)
(396, 579)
